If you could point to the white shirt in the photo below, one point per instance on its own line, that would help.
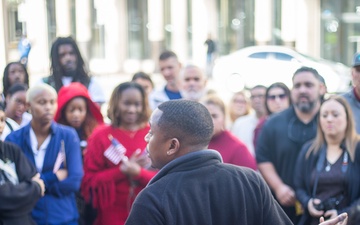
(39, 155)
(95, 91)
(243, 128)
(26, 118)
(7, 130)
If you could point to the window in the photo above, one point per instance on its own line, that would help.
(97, 33)
(16, 28)
(235, 25)
(259, 55)
(139, 46)
(283, 56)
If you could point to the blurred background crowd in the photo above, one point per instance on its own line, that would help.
(73, 124)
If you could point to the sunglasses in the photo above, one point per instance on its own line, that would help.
(273, 97)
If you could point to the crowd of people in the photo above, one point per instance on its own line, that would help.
(175, 154)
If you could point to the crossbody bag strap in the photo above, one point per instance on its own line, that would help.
(319, 167)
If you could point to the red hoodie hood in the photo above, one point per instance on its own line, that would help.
(76, 89)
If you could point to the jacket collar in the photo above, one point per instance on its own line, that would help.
(189, 161)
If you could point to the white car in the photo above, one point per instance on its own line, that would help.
(265, 65)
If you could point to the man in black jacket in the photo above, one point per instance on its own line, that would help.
(193, 186)
(20, 184)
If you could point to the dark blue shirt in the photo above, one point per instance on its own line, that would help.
(172, 95)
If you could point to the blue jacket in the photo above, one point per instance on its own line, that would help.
(58, 206)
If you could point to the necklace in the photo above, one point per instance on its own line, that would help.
(328, 166)
(344, 163)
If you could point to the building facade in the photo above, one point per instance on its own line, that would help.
(128, 35)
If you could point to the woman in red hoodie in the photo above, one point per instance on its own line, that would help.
(115, 166)
(76, 109)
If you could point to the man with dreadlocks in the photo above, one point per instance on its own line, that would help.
(68, 66)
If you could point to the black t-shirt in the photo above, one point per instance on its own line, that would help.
(280, 142)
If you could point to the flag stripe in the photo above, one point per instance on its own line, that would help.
(115, 153)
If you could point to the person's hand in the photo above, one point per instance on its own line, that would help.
(41, 183)
(285, 195)
(331, 213)
(311, 208)
(61, 174)
(339, 220)
(142, 159)
(129, 166)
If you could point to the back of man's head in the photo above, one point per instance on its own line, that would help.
(186, 120)
(167, 54)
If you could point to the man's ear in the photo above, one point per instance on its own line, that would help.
(322, 89)
(174, 146)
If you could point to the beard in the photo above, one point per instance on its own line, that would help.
(70, 73)
(305, 107)
(193, 95)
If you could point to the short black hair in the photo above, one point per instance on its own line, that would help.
(17, 87)
(144, 76)
(189, 121)
(259, 86)
(167, 54)
(311, 70)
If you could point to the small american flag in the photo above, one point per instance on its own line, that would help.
(115, 152)
(61, 158)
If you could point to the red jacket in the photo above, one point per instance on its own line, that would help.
(232, 150)
(111, 190)
(76, 89)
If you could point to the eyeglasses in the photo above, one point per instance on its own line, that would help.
(273, 97)
(257, 96)
(239, 101)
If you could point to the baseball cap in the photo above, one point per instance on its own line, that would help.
(356, 60)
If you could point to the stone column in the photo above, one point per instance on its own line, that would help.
(37, 32)
(179, 34)
(199, 32)
(3, 32)
(288, 22)
(156, 29)
(83, 27)
(62, 12)
(263, 21)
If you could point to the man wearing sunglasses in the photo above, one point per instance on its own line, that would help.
(283, 135)
(353, 96)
